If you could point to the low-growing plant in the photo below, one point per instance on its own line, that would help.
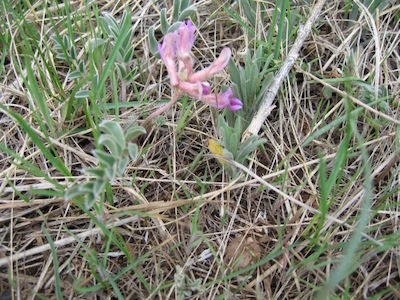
(113, 153)
(249, 83)
(231, 147)
(175, 52)
(65, 49)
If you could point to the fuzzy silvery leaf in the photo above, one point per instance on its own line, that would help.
(234, 72)
(126, 19)
(243, 86)
(133, 150)
(97, 172)
(133, 132)
(82, 94)
(66, 42)
(86, 187)
(184, 4)
(227, 154)
(164, 22)
(248, 146)
(105, 26)
(81, 67)
(174, 27)
(73, 192)
(94, 43)
(248, 11)
(61, 56)
(122, 70)
(128, 55)
(122, 165)
(89, 201)
(113, 145)
(111, 172)
(114, 33)
(114, 129)
(73, 53)
(58, 47)
(127, 40)
(105, 158)
(176, 9)
(109, 21)
(187, 12)
(153, 45)
(98, 187)
(74, 75)
(57, 43)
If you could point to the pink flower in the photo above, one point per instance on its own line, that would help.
(176, 48)
(223, 100)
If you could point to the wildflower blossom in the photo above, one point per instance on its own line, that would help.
(176, 48)
(176, 53)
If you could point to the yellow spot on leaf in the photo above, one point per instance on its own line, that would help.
(217, 150)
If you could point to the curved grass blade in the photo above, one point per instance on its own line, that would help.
(54, 160)
(55, 263)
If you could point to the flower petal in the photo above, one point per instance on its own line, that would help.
(217, 66)
(185, 43)
(186, 38)
(218, 101)
(206, 88)
(194, 90)
(167, 52)
(235, 104)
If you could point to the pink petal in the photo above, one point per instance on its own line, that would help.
(186, 37)
(235, 104)
(218, 101)
(185, 43)
(167, 52)
(194, 90)
(206, 88)
(217, 66)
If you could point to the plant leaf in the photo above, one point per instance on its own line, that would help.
(164, 22)
(187, 12)
(176, 9)
(114, 129)
(133, 132)
(133, 150)
(82, 94)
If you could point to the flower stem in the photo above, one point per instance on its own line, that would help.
(162, 109)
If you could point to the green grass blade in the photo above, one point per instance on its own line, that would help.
(55, 263)
(55, 161)
(281, 27)
(24, 164)
(346, 264)
(38, 96)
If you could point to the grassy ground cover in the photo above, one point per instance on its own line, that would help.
(93, 206)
